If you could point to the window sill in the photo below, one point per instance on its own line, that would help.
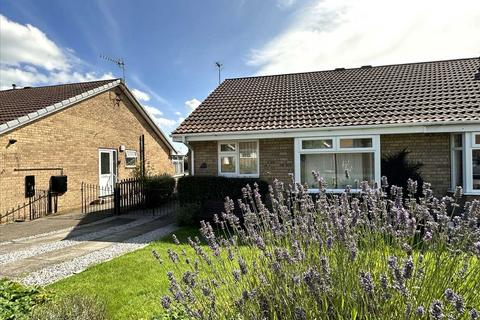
(130, 167)
(238, 175)
(339, 191)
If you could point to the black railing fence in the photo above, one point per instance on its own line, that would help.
(129, 194)
(95, 198)
(126, 196)
(35, 207)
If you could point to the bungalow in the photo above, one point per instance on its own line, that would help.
(93, 132)
(342, 120)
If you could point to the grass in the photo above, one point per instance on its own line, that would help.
(130, 285)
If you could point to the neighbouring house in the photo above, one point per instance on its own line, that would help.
(93, 132)
(342, 120)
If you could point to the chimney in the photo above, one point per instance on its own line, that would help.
(14, 86)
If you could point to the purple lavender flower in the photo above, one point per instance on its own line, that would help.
(166, 302)
(236, 275)
(427, 237)
(384, 182)
(299, 314)
(449, 295)
(408, 268)
(420, 311)
(366, 282)
(477, 248)
(175, 239)
(474, 314)
(243, 266)
(436, 310)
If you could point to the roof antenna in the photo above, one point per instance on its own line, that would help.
(219, 66)
(119, 62)
(477, 75)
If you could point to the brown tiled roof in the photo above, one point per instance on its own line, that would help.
(439, 91)
(15, 103)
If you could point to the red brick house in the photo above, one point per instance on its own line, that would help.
(342, 120)
(88, 132)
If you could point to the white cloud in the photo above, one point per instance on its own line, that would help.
(154, 112)
(284, 4)
(192, 104)
(351, 33)
(178, 113)
(140, 95)
(164, 122)
(28, 57)
(27, 44)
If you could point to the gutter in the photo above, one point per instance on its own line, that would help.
(416, 127)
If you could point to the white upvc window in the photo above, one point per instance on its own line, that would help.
(341, 160)
(130, 158)
(178, 164)
(238, 158)
(466, 161)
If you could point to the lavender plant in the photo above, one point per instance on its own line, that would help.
(349, 256)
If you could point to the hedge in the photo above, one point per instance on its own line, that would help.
(158, 189)
(199, 189)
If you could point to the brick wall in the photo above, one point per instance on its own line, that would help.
(205, 158)
(70, 139)
(277, 156)
(433, 150)
(277, 159)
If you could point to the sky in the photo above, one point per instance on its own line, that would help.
(170, 47)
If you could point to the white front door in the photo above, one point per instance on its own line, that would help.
(107, 163)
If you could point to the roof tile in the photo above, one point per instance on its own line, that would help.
(16, 103)
(438, 91)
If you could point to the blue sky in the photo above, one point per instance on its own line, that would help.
(170, 46)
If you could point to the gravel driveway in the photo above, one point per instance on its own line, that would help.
(49, 256)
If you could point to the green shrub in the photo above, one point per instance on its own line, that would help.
(17, 300)
(72, 307)
(188, 214)
(198, 189)
(158, 189)
(398, 169)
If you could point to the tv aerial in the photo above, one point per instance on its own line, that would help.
(119, 62)
(219, 67)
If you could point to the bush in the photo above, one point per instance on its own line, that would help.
(158, 189)
(17, 300)
(199, 189)
(72, 307)
(398, 170)
(188, 214)
(348, 256)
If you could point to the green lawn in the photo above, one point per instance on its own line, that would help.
(131, 285)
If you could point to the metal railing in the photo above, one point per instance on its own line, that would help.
(36, 207)
(96, 199)
(128, 194)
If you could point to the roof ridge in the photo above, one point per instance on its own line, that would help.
(64, 84)
(347, 69)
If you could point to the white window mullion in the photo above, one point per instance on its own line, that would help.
(467, 168)
(377, 159)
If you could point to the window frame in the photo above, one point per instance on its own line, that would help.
(468, 164)
(453, 162)
(336, 149)
(468, 145)
(178, 160)
(236, 155)
(126, 157)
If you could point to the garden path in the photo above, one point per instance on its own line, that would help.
(46, 250)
